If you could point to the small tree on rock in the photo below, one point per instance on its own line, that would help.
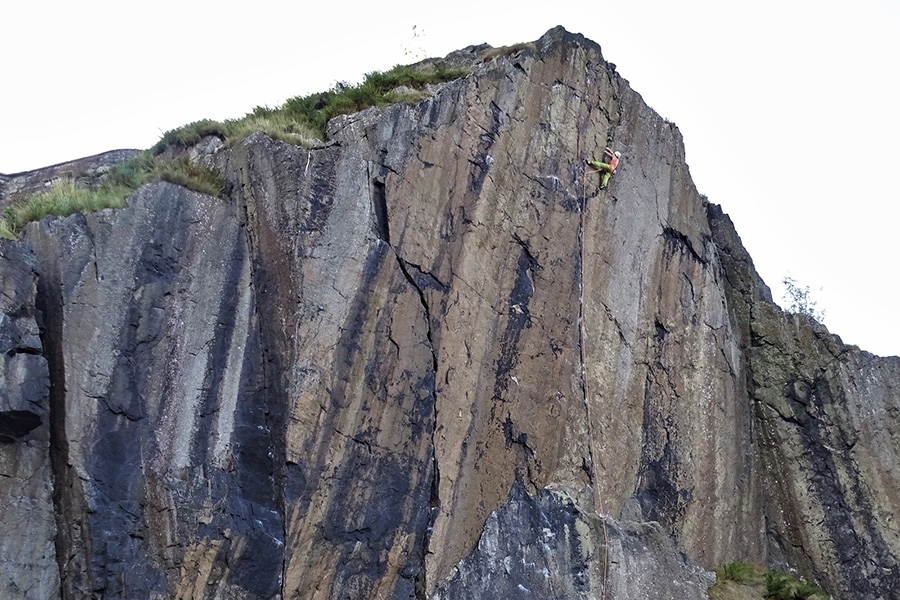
(799, 300)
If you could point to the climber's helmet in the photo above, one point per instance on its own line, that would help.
(618, 154)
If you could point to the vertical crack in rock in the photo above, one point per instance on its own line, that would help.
(72, 541)
(255, 455)
(657, 489)
(591, 467)
(405, 269)
(518, 438)
(434, 505)
(482, 161)
(593, 481)
(421, 583)
(419, 279)
(379, 204)
(272, 371)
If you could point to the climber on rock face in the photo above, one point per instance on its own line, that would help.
(609, 168)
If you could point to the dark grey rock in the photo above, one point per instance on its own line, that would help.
(28, 569)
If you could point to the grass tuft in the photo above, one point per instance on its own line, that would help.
(5, 232)
(61, 200)
(66, 198)
(183, 172)
(189, 135)
(781, 586)
(743, 580)
(493, 53)
(302, 119)
(743, 573)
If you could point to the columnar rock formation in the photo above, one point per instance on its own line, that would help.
(432, 360)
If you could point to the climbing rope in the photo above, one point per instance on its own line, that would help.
(598, 503)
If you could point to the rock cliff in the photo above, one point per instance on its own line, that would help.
(432, 360)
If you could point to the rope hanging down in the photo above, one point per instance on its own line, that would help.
(598, 503)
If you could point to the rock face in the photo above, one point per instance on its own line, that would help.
(169, 485)
(26, 478)
(433, 360)
(546, 547)
(826, 437)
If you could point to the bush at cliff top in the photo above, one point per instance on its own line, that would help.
(301, 120)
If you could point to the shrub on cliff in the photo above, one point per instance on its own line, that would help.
(781, 586)
(800, 301)
(276, 123)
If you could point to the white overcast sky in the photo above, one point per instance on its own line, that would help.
(788, 107)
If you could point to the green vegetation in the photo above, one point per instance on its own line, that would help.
(145, 168)
(67, 198)
(274, 122)
(300, 120)
(781, 586)
(742, 580)
(743, 573)
(799, 300)
(62, 200)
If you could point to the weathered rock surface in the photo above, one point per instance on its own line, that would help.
(827, 438)
(547, 547)
(29, 529)
(379, 365)
(152, 333)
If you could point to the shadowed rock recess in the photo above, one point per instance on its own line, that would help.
(431, 360)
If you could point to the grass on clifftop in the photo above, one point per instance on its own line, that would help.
(507, 50)
(300, 120)
(61, 200)
(67, 198)
(743, 581)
